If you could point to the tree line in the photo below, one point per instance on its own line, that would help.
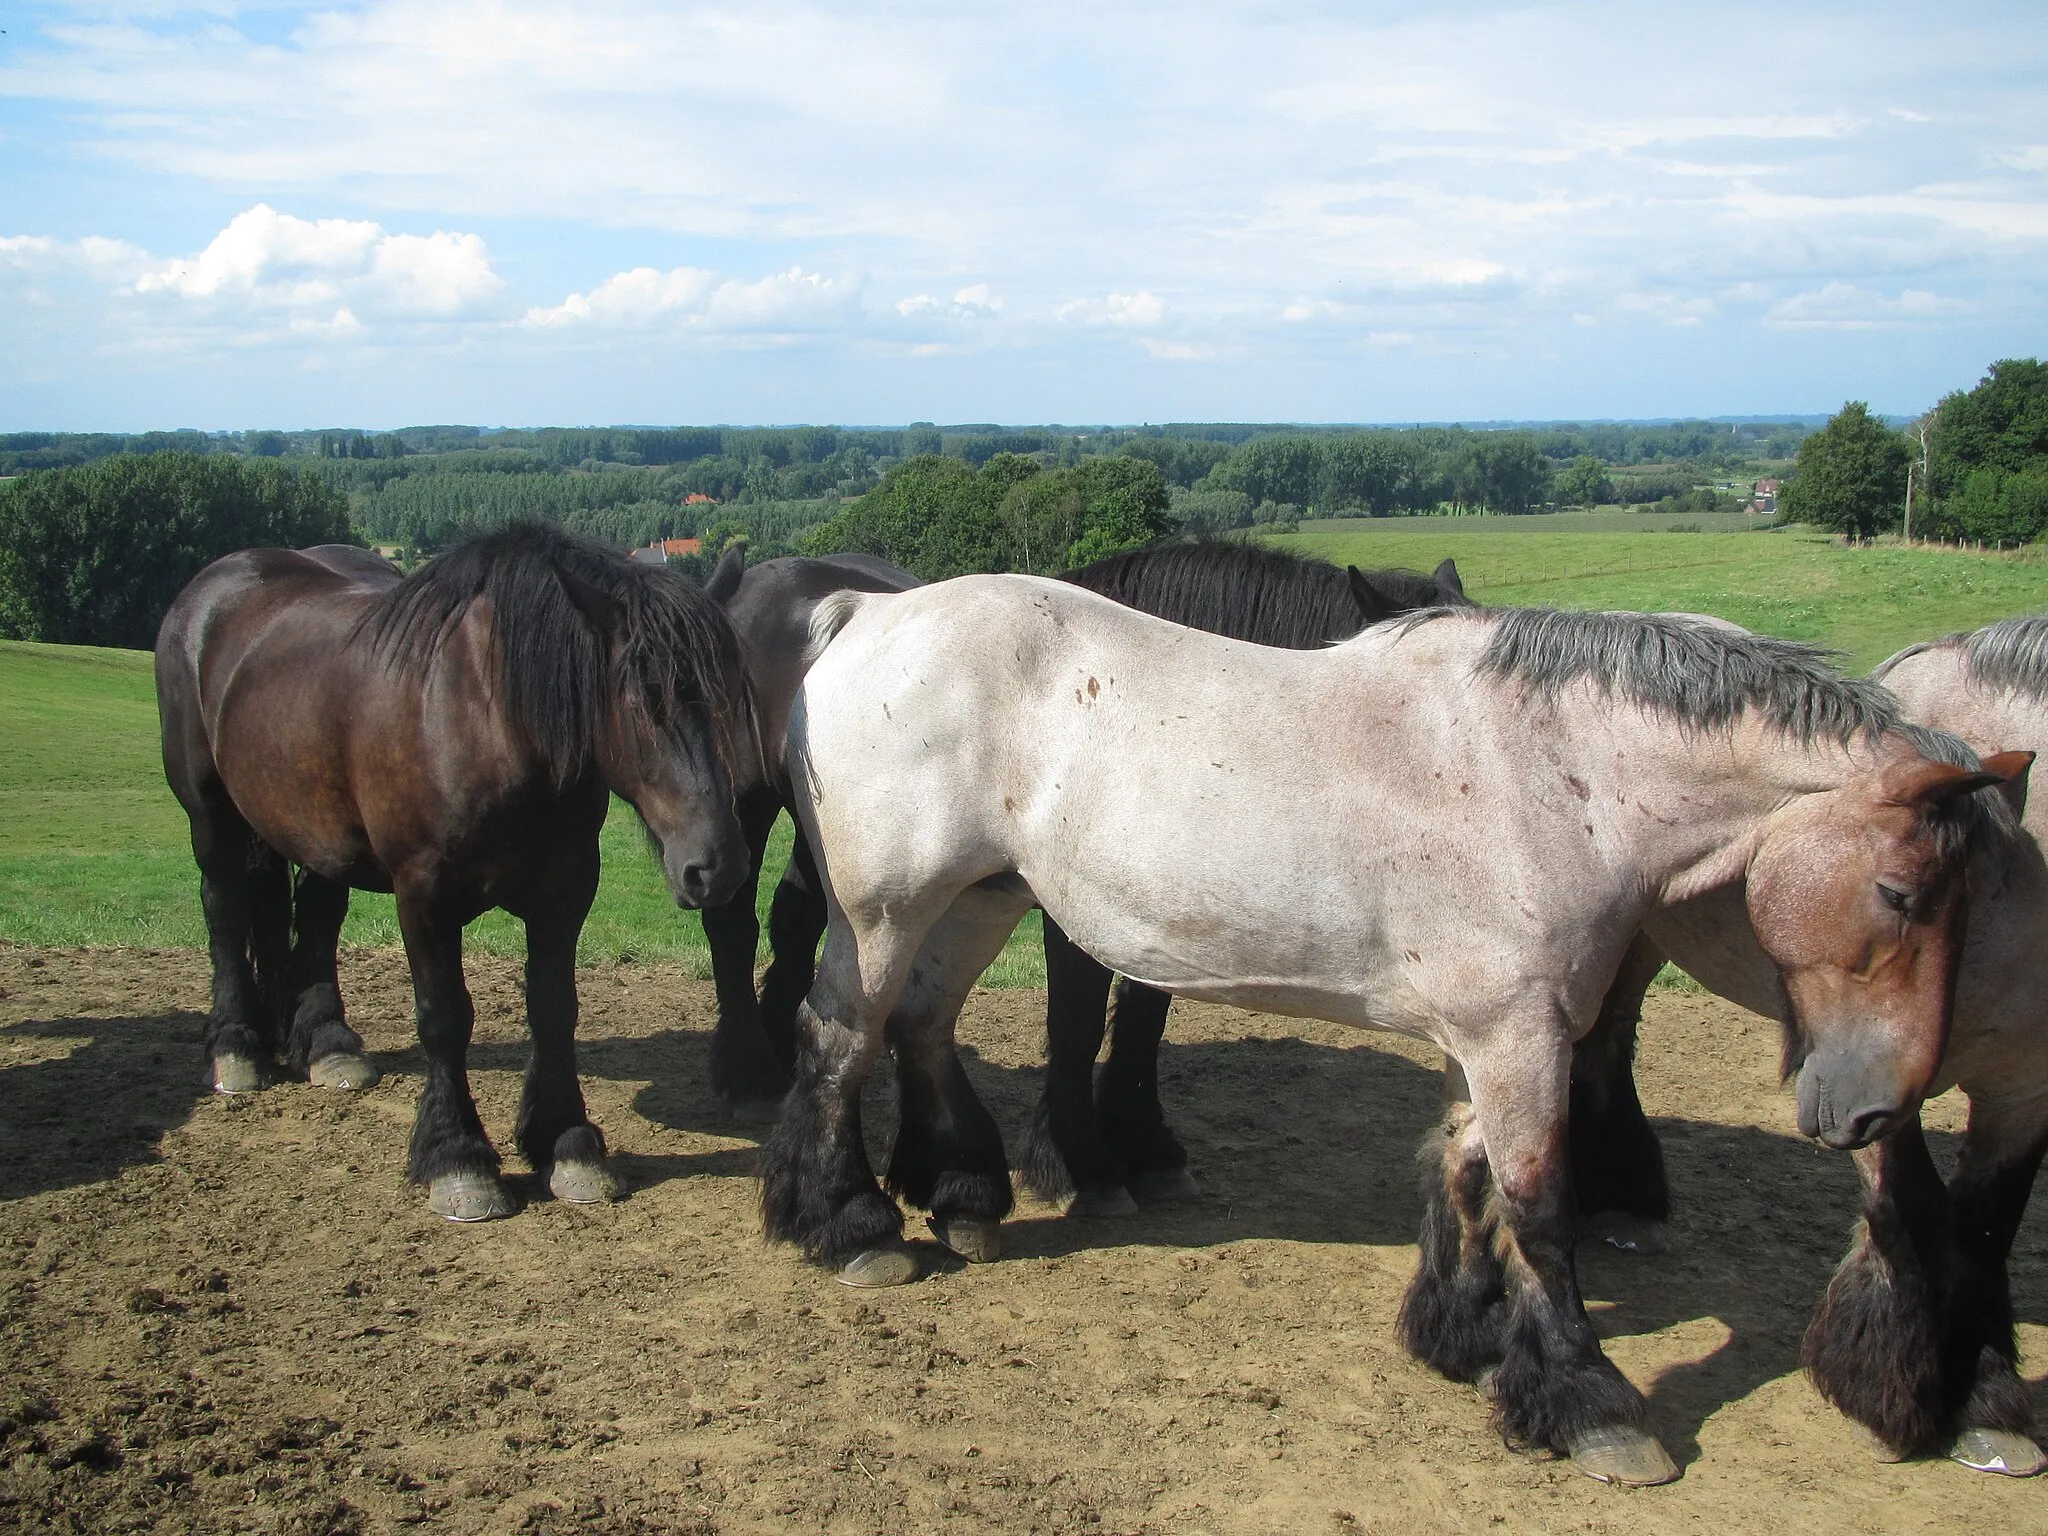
(1973, 469)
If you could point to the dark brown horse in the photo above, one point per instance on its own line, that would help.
(453, 737)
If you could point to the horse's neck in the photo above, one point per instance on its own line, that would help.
(1691, 807)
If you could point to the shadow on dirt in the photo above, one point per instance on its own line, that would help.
(99, 1100)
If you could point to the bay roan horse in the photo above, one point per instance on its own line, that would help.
(1914, 1338)
(1449, 826)
(454, 737)
(1228, 587)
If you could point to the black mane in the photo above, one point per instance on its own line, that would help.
(575, 625)
(1247, 591)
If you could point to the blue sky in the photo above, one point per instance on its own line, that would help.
(240, 215)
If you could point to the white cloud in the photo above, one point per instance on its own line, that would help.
(271, 260)
(1846, 307)
(1133, 309)
(784, 302)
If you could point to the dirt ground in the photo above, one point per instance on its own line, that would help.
(231, 1315)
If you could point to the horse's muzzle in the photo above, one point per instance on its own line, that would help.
(1845, 1104)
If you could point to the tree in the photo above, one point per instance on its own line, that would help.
(93, 556)
(1583, 483)
(1850, 476)
(1123, 506)
(1989, 453)
(928, 515)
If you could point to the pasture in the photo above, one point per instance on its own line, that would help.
(231, 1314)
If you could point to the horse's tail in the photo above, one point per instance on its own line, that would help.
(834, 612)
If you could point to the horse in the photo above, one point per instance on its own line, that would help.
(1226, 586)
(1449, 826)
(1098, 1140)
(453, 737)
(769, 606)
(1914, 1337)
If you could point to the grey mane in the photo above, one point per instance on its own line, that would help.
(1700, 674)
(2011, 654)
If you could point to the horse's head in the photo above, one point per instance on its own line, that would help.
(674, 726)
(1858, 895)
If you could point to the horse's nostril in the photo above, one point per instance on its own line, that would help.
(1869, 1126)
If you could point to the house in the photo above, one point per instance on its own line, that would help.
(1764, 498)
(661, 551)
(699, 499)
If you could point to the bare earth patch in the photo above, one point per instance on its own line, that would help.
(231, 1315)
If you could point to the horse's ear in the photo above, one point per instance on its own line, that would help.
(1446, 578)
(1931, 783)
(593, 602)
(1373, 604)
(725, 578)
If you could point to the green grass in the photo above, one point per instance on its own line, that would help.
(93, 848)
(1865, 603)
(94, 851)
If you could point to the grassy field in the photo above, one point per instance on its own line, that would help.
(1865, 603)
(93, 849)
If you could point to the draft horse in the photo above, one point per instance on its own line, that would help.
(1103, 1134)
(1914, 1339)
(1512, 794)
(453, 737)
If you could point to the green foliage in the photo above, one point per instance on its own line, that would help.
(1851, 476)
(1388, 472)
(1584, 483)
(1990, 456)
(937, 518)
(93, 556)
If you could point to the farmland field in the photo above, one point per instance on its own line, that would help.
(93, 848)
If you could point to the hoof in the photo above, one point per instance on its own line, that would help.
(343, 1069)
(470, 1197)
(1866, 1440)
(1101, 1204)
(1163, 1186)
(756, 1111)
(1630, 1234)
(977, 1239)
(879, 1267)
(1998, 1450)
(238, 1074)
(1621, 1453)
(583, 1183)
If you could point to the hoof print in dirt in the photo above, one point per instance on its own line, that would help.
(470, 1197)
(976, 1239)
(1623, 1454)
(880, 1267)
(583, 1183)
(343, 1069)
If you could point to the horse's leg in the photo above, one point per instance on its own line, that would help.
(1875, 1346)
(1617, 1164)
(450, 1153)
(1914, 1338)
(1127, 1096)
(1454, 1315)
(238, 1041)
(745, 1070)
(2001, 1153)
(1553, 1388)
(796, 921)
(554, 1130)
(321, 1045)
(1064, 1153)
(818, 1189)
(270, 939)
(948, 1155)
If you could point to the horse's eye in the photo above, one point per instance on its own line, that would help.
(1899, 901)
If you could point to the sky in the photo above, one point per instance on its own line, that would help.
(228, 215)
